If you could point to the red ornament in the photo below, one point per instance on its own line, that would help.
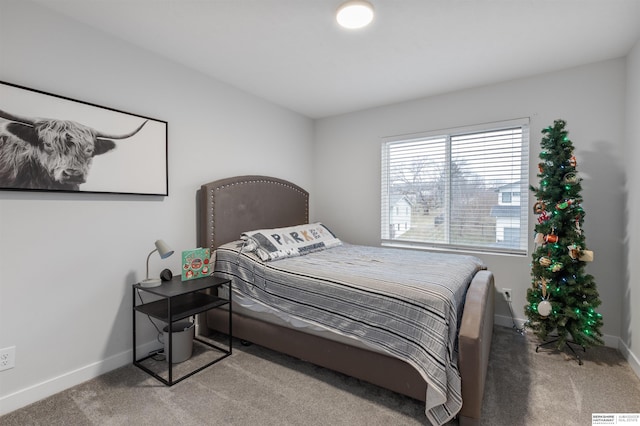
(543, 217)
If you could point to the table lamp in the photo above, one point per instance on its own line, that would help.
(164, 251)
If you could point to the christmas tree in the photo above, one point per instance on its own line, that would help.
(563, 299)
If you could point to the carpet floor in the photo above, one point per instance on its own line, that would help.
(256, 386)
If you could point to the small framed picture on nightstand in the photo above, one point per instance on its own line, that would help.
(196, 263)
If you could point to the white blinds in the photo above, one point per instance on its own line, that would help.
(460, 188)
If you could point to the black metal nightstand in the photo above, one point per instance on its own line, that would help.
(180, 300)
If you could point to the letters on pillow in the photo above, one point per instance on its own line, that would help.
(279, 243)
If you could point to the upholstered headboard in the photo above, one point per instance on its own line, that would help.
(229, 207)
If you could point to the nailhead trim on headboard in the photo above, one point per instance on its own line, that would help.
(214, 191)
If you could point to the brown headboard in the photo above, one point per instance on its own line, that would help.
(229, 207)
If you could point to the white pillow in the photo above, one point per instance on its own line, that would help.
(279, 243)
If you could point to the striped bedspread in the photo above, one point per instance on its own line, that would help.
(406, 303)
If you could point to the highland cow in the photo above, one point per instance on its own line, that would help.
(49, 154)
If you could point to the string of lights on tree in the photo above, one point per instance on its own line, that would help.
(562, 300)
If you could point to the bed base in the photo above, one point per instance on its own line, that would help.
(380, 369)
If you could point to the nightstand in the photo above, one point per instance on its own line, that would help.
(180, 300)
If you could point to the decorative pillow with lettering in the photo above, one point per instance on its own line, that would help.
(279, 243)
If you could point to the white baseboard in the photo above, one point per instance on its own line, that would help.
(505, 321)
(31, 394)
(609, 341)
(633, 360)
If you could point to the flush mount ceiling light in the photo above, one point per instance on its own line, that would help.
(355, 14)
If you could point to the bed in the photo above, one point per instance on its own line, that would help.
(229, 207)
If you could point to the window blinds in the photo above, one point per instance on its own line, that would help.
(465, 188)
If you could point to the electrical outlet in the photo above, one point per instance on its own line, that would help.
(7, 358)
(506, 293)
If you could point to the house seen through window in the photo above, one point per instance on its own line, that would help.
(462, 188)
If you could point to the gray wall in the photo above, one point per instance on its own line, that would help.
(67, 261)
(590, 98)
(630, 331)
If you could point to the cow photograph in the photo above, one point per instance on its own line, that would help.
(52, 143)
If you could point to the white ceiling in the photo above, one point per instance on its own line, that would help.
(292, 52)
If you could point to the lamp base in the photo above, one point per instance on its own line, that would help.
(150, 282)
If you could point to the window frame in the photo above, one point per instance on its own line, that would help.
(449, 134)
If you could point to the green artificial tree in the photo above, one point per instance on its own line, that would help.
(563, 299)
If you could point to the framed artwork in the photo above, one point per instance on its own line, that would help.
(195, 264)
(53, 143)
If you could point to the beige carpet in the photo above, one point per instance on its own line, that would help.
(256, 386)
(550, 388)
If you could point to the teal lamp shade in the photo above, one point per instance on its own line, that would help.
(164, 251)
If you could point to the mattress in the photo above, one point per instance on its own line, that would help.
(403, 303)
(254, 309)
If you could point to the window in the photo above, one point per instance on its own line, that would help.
(463, 188)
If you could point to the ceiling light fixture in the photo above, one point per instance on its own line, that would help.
(355, 14)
